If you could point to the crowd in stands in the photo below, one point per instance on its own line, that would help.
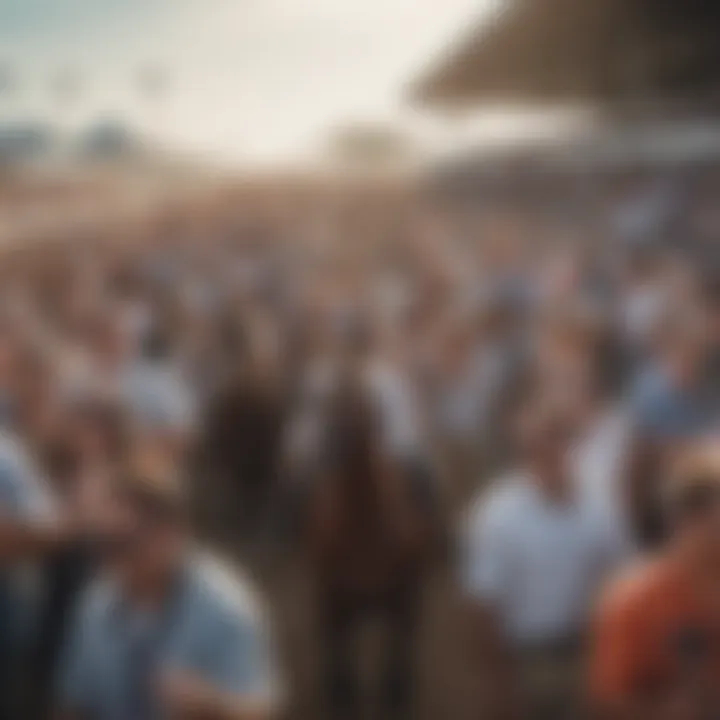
(376, 386)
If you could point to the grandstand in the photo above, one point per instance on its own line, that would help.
(612, 53)
(644, 75)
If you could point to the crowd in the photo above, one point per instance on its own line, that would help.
(375, 385)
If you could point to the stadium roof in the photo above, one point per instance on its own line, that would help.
(569, 51)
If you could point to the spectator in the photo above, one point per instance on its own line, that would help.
(156, 391)
(676, 400)
(30, 529)
(535, 557)
(165, 632)
(655, 653)
(79, 463)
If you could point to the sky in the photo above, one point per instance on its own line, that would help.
(246, 80)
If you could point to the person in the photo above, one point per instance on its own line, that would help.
(677, 397)
(655, 650)
(601, 457)
(165, 631)
(644, 296)
(30, 530)
(501, 361)
(461, 406)
(534, 558)
(157, 392)
(241, 448)
(675, 402)
(78, 462)
(586, 375)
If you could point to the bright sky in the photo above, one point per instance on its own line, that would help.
(249, 79)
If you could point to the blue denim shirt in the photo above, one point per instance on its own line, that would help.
(665, 412)
(212, 628)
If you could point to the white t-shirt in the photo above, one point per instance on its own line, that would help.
(538, 564)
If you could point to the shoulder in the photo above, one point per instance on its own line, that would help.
(651, 388)
(13, 455)
(636, 593)
(223, 595)
(506, 498)
(96, 601)
(22, 488)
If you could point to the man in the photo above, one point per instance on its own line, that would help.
(656, 651)
(535, 558)
(242, 441)
(676, 401)
(78, 461)
(29, 531)
(165, 634)
(592, 387)
(677, 397)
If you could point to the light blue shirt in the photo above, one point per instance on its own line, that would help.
(23, 492)
(212, 628)
(23, 496)
(538, 564)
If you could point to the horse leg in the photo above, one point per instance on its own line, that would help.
(401, 617)
(340, 662)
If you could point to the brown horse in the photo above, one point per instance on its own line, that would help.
(370, 530)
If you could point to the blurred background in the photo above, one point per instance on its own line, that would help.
(314, 232)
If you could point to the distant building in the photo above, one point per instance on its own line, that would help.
(22, 141)
(108, 140)
(643, 74)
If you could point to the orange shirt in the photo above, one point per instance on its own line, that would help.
(654, 636)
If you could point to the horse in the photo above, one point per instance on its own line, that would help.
(371, 523)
